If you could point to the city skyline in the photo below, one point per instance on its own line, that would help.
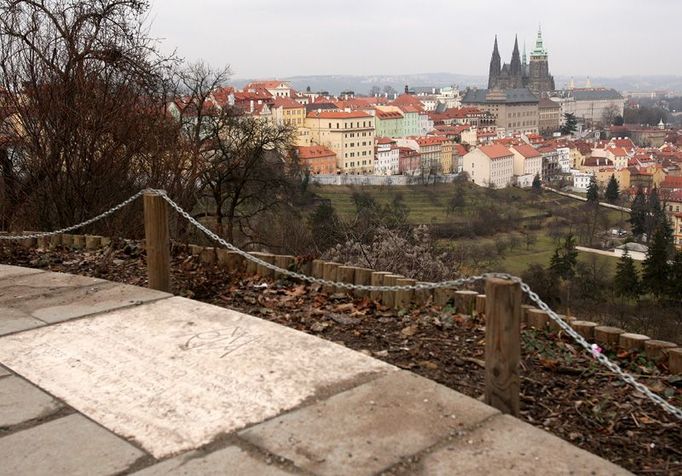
(383, 38)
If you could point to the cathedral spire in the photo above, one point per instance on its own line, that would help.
(539, 45)
(515, 65)
(495, 66)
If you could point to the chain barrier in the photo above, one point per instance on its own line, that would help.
(592, 349)
(80, 225)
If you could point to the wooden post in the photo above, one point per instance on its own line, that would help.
(330, 272)
(537, 318)
(388, 297)
(465, 301)
(584, 328)
(318, 268)
(284, 262)
(632, 342)
(608, 336)
(345, 274)
(480, 304)
(157, 241)
(92, 242)
(503, 345)
(403, 299)
(658, 349)
(377, 279)
(362, 276)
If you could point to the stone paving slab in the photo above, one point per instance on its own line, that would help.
(175, 373)
(12, 320)
(369, 428)
(8, 271)
(506, 445)
(20, 401)
(71, 445)
(230, 460)
(82, 301)
(3, 371)
(34, 283)
(20, 295)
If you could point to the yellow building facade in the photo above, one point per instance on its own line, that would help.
(349, 134)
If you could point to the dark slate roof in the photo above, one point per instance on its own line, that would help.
(520, 95)
(323, 106)
(595, 94)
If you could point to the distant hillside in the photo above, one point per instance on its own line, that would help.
(362, 84)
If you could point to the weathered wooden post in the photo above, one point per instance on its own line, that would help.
(502, 344)
(157, 241)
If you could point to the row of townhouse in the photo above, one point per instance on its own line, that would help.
(417, 155)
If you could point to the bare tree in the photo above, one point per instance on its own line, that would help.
(84, 96)
(247, 170)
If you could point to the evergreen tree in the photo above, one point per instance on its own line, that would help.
(612, 190)
(565, 259)
(626, 281)
(655, 268)
(638, 216)
(570, 124)
(593, 191)
(674, 290)
(537, 184)
(654, 212)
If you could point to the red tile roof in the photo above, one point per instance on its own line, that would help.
(287, 103)
(495, 151)
(408, 100)
(338, 115)
(459, 149)
(528, 151)
(270, 84)
(672, 182)
(618, 151)
(385, 140)
(389, 114)
(314, 152)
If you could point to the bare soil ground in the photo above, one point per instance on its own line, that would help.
(564, 390)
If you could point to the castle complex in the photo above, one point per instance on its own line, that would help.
(519, 73)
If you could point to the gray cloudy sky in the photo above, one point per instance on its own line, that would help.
(279, 38)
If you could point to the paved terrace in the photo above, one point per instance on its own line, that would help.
(105, 378)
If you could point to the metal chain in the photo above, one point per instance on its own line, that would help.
(80, 225)
(591, 348)
(601, 358)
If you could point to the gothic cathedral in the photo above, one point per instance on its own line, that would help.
(519, 73)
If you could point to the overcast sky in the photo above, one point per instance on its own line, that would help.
(280, 38)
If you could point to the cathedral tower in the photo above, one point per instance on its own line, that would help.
(495, 67)
(539, 80)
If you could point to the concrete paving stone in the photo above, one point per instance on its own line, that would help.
(12, 320)
(20, 401)
(230, 460)
(8, 271)
(35, 283)
(369, 428)
(72, 446)
(506, 445)
(21, 295)
(72, 303)
(175, 373)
